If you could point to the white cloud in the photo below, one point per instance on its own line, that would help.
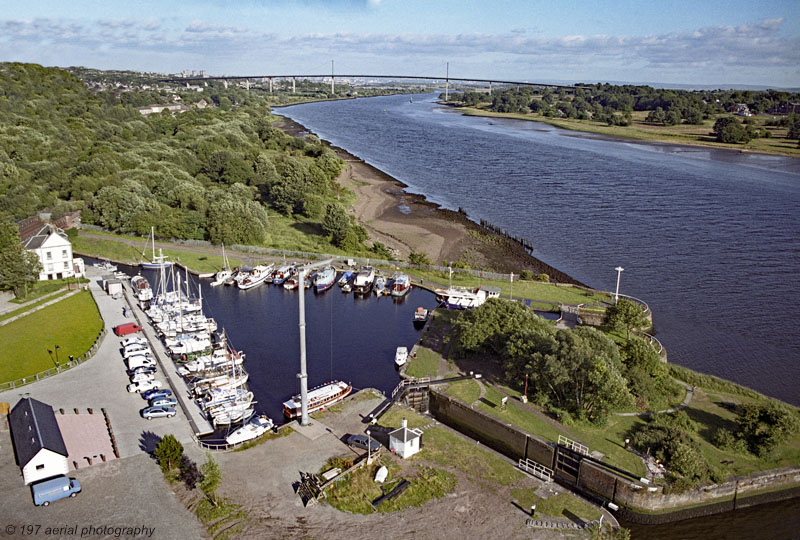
(754, 50)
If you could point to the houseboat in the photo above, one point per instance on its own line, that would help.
(318, 398)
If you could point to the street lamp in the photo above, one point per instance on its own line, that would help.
(57, 348)
(369, 449)
(619, 270)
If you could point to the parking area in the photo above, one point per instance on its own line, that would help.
(101, 383)
(123, 493)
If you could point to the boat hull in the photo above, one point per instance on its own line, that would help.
(292, 408)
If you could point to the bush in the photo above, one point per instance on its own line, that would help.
(544, 278)
(418, 258)
(526, 275)
(678, 485)
(168, 453)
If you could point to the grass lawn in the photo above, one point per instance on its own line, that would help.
(118, 251)
(356, 492)
(394, 416)
(443, 447)
(561, 505)
(32, 305)
(42, 288)
(467, 390)
(426, 364)
(534, 290)
(72, 324)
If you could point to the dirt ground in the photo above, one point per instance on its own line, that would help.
(261, 479)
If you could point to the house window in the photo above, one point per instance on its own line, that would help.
(66, 265)
(49, 267)
(63, 253)
(40, 467)
(49, 255)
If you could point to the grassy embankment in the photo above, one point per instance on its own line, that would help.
(695, 135)
(71, 324)
(32, 305)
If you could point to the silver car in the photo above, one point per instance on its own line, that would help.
(158, 412)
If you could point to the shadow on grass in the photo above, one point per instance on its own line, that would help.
(309, 228)
(572, 517)
(709, 422)
(488, 403)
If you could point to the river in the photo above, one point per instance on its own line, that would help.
(708, 238)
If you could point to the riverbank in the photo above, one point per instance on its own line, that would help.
(407, 222)
(681, 135)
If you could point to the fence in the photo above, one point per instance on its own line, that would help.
(221, 446)
(537, 470)
(55, 371)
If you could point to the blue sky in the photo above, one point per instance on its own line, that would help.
(683, 42)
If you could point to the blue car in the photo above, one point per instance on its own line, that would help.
(157, 392)
(157, 412)
(163, 401)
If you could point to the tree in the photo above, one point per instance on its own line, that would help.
(19, 267)
(212, 476)
(626, 315)
(336, 222)
(766, 426)
(168, 452)
(729, 130)
(418, 258)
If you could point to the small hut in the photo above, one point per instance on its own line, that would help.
(405, 442)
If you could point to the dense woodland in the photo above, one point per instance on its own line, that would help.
(211, 174)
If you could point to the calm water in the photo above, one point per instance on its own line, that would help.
(710, 239)
(348, 337)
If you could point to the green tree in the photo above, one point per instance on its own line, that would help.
(626, 315)
(336, 222)
(766, 426)
(212, 476)
(729, 130)
(19, 267)
(418, 258)
(168, 453)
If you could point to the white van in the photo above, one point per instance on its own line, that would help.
(54, 489)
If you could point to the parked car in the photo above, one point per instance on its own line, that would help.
(127, 328)
(157, 412)
(141, 377)
(53, 489)
(361, 441)
(157, 392)
(133, 339)
(144, 386)
(163, 401)
(136, 348)
(140, 360)
(141, 369)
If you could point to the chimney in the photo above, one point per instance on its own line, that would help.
(405, 424)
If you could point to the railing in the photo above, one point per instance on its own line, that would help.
(221, 446)
(573, 445)
(537, 470)
(10, 385)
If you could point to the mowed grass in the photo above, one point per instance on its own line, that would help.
(394, 417)
(32, 305)
(117, 250)
(563, 505)
(467, 390)
(426, 363)
(71, 324)
(443, 447)
(356, 492)
(532, 290)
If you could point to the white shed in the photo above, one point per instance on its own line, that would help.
(40, 449)
(405, 442)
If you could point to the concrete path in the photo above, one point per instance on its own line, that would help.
(101, 382)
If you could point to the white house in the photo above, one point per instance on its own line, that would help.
(40, 449)
(54, 250)
(405, 442)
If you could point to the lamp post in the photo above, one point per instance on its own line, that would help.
(369, 449)
(57, 348)
(511, 280)
(619, 270)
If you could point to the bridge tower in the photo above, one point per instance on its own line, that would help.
(294, 90)
(270, 85)
(333, 91)
(447, 84)
(247, 84)
(225, 84)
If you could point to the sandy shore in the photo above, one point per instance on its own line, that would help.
(406, 222)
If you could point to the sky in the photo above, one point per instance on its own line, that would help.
(682, 42)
